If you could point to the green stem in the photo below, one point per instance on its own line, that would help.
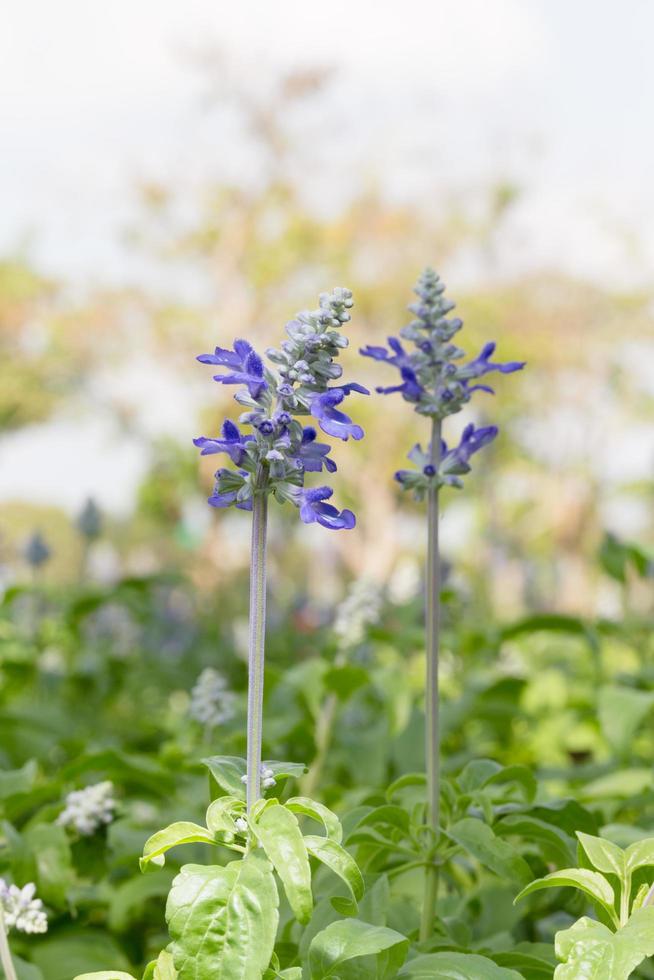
(256, 646)
(5, 953)
(625, 895)
(432, 720)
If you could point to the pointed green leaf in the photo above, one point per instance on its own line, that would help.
(478, 839)
(603, 854)
(319, 813)
(352, 939)
(164, 968)
(455, 966)
(223, 921)
(590, 882)
(640, 854)
(335, 857)
(278, 832)
(182, 832)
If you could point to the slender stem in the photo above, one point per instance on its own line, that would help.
(5, 953)
(432, 720)
(649, 898)
(625, 895)
(256, 646)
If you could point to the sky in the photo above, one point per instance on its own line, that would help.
(552, 94)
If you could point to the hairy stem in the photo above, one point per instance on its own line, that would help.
(5, 953)
(256, 646)
(432, 721)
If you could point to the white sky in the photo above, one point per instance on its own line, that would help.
(554, 93)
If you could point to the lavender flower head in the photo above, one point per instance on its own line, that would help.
(437, 385)
(277, 452)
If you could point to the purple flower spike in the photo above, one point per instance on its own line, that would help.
(280, 451)
(313, 508)
(331, 421)
(232, 443)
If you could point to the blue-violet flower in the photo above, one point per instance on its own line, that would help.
(275, 455)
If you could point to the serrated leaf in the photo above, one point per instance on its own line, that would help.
(319, 813)
(278, 832)
(352, 939)
(182, 832)
(592, 883)
(337, 859)
(455, 966)
(223, 921)
(478, 839)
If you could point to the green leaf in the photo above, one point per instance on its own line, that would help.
(478, 839)
(222, 813)
(455, 966)
(182, 832)
(603, 855)
(639, 855)
(621, 712)
(345, 679)
(591, 882)
(337, 859)
(164, 968)
(352, 939)
(49, 847)
(228, 771)
(590, 950)
(394, 816)
(223, 921)
(278, 832)
(128, 902)
(26, 971)
(618, 785)
(105, 975)
(124, 768)
(14, 781)
(553, 842)
(319, 813)
(71, 953)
